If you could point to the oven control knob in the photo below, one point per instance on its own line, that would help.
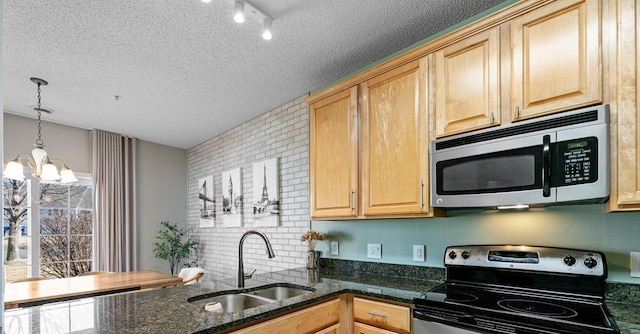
(465, 255)
(569, 260)
(452, 255)
(590, 262)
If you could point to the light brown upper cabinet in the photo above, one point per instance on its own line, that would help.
(556, 60)
(625, 104)
(467, 87)
(333, 155)
(394, 142)
(368, 148)
(529, 59)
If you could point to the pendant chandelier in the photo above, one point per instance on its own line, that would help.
(41, 165)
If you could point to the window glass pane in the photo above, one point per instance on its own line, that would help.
(81, 222)
(53, 195)
(78, 268)
(54, 269)
(80, 196)
(54, 248)
(80, 248)
(15, 230)
(54, 222)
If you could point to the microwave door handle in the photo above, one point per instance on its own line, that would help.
(546, 166)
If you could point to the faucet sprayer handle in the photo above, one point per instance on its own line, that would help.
(247, 276)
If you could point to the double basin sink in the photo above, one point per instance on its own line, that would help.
(239, 300)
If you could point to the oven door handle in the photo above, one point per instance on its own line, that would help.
(546, 166)
(463, 318)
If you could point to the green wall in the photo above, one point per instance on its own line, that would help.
(577, 226)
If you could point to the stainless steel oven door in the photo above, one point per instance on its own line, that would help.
(430, 327)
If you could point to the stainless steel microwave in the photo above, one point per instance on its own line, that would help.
(547, 160)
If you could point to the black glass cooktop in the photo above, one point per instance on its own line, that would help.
(499, 306)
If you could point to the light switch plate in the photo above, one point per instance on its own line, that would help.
(635, 264)
(374, 251)
(419, 253)
(334, 248)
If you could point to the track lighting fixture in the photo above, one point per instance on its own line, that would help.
(244, 9)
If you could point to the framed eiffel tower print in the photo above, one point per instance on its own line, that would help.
(266, 195)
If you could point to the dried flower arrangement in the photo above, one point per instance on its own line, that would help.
(310, 237)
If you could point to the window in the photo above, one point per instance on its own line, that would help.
(65, 229)
(16, 231)
(60, 245)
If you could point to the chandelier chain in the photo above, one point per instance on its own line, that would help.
(39, 141)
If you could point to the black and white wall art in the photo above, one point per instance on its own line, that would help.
(231, 198)
(207, 202)
(266, 198)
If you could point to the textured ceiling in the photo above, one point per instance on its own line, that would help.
(184, 69)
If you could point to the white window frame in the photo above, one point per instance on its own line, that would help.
(34, 256)
(33, 220)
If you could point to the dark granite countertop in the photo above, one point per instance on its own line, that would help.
(167, 310)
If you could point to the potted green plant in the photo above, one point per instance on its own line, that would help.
(171, 246)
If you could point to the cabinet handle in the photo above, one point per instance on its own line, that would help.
(351, 199)
(517, 112)
(491, 119)
(421, 194)
(376, 314)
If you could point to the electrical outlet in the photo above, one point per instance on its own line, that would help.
(334, 248)
(374, 251)
(635, 264)
(419, 253)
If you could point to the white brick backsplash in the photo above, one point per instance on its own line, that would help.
(282, 133)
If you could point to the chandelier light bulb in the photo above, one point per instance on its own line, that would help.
(14, 170)
(49, 172)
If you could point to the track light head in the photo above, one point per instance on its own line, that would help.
(238, 13)
(266, 28)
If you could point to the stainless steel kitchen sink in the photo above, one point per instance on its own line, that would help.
(233, 302)
(280, 292)
(239, 300)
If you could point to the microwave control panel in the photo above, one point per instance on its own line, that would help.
(576, 161)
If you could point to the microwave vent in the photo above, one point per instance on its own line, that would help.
(554, 122)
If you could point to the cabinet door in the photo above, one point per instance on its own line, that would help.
(467, 84)
(382, 314)
(625, 104)
(335, 329)
(394, 155)
(333, 156)
(359, 328)
(309, 320)
(556, 58)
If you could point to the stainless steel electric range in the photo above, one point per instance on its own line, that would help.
(517, 289)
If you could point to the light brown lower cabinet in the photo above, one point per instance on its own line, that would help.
(335, 329)
(371, 315)
(345, 314)
(359, 328)
(322, 318)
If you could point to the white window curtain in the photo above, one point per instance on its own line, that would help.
(113, 158)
